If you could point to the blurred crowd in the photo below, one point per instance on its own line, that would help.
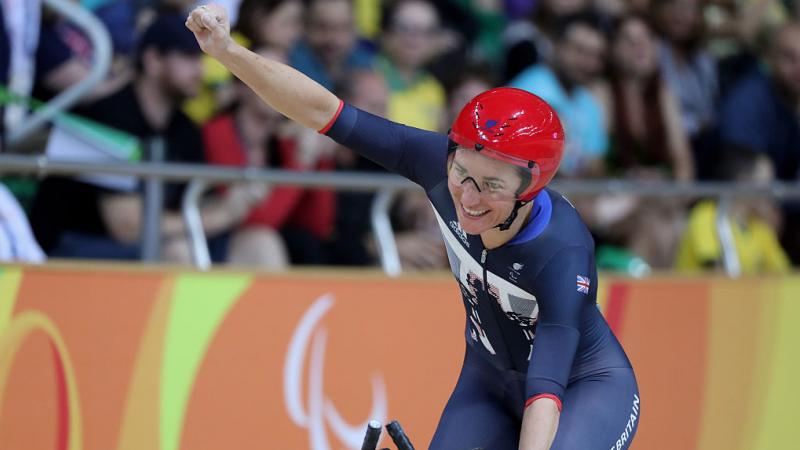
(647, 90)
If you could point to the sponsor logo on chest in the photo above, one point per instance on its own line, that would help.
(459, 232)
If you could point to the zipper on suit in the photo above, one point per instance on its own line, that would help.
(483, 266)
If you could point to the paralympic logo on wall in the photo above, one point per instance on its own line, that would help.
(166, 418)
(317, 412)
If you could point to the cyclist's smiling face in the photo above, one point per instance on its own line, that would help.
(483, 190)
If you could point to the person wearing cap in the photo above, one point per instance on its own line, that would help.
(542, 368)
(61, 54)
(84, 218)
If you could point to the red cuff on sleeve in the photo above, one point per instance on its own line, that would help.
(550, 396)
(333, 119)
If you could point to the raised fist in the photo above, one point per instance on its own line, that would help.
(211, 28)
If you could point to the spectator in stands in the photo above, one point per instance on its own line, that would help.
(271, 23)
(276, 24)
(578, 52)
(611, 11)
(418, 241)
(410, 30)
(253, 134)
(351, 243)
(331, 47)
(755, 240)
(761, 114)
(119, 18)
(648, 136)
(648, 143)
(690, 71)
(74, 218)
(64, 58)
(529, 41)
(735, 30)
(472, 32)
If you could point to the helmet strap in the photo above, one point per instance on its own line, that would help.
(511, 217)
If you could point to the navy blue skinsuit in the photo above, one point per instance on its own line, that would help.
(533, 327)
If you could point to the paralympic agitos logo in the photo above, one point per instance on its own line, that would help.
(316, 412)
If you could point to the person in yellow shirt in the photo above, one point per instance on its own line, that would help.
(754, 238)
(416, 98)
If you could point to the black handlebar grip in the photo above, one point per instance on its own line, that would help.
(399, 436)
(373, 435)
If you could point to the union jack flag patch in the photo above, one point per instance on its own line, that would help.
(583, 284)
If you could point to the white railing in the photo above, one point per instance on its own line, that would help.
(202, 177)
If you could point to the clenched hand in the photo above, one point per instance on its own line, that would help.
(211, 28)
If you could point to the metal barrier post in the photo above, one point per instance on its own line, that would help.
(153, 205)
(730, 257)
(384, 235)
(194, 224)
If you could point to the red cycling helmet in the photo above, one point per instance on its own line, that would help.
(513, 126)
